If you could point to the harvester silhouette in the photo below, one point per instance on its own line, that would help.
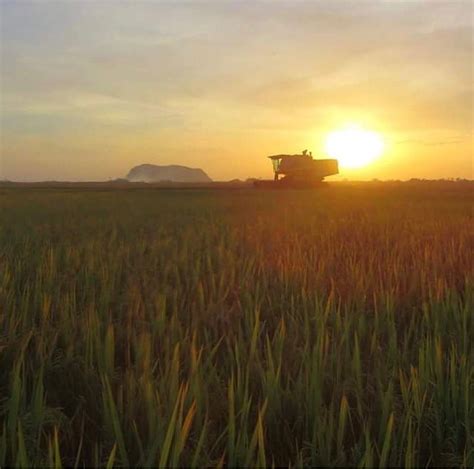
(299, 171)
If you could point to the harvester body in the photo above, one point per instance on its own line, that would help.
(299, 171)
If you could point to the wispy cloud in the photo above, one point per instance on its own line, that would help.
(225, 70)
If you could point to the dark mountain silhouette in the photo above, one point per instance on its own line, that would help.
(173, 173)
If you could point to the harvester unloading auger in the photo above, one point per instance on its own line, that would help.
(299, 171)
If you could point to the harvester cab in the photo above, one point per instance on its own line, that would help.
(300, 170)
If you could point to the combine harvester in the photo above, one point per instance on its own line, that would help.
(299, 171)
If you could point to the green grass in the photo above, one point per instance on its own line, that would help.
(199, 328)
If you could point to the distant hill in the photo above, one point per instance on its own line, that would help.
(172, 173)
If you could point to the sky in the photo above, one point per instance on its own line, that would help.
(90, 89)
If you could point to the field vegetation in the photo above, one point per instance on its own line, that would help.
(237, 328)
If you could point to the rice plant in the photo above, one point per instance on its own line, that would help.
(237, 328)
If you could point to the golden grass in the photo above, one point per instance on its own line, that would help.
(199, 328)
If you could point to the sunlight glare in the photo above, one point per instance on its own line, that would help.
(354, 146)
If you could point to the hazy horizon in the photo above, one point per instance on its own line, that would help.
(91, 89)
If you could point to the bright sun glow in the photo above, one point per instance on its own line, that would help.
(354, 146)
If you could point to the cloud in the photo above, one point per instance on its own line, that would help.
(225, 68)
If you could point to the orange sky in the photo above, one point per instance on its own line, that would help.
(90, 89)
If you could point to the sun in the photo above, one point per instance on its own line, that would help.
(354, 146)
